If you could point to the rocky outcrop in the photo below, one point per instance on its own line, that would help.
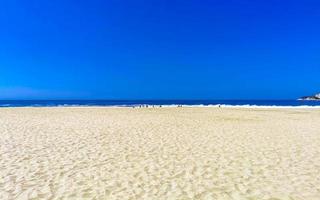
(314, 97)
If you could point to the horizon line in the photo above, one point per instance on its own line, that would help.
(153, 99)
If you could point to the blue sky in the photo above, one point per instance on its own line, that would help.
(118, 49)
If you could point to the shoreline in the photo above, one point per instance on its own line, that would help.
(168, 106)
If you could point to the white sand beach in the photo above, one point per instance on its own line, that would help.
(160, 153)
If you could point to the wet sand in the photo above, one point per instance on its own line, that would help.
(160, 153)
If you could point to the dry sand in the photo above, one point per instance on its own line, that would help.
(159, 153)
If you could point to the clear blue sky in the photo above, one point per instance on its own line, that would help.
(102, 49)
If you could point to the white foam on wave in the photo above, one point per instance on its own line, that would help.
(242, 106)
(165, 105)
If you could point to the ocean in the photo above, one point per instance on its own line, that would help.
(131, 103)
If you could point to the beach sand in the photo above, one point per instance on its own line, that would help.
(160, 153)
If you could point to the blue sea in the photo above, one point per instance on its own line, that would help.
(130, 103)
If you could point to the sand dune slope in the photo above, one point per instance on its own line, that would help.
(159, 153)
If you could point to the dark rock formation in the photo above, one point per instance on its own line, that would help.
(314, 97)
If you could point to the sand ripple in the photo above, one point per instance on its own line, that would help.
(159, 153)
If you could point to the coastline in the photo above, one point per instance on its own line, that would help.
(168, 106)
(159, 103)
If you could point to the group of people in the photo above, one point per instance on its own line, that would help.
(153, 106)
